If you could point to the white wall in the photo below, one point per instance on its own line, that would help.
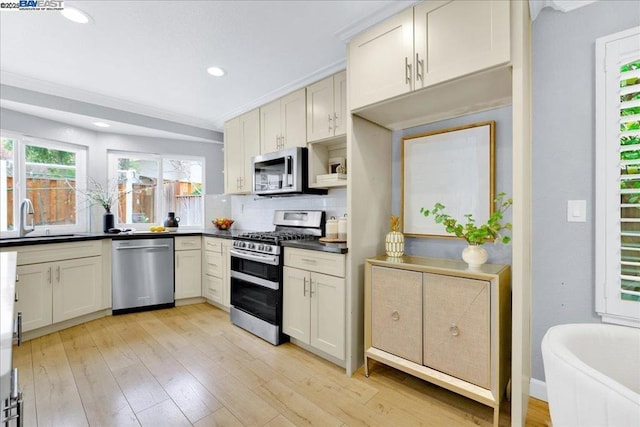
(98, 143)
(256, 213)
(563, 161)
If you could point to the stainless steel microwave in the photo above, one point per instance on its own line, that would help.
(282, 173)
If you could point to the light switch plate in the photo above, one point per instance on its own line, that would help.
(577, 210)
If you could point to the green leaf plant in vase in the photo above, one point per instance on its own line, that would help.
(475, 234)
(394, 241)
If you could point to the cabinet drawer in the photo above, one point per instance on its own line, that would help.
(320, 262)
(457, 327)
(396, 312)
(58, 251)
(213, 244)
(213, 288)
(187, 243)
(213, 264)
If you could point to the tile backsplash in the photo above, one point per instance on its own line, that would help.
(256, 213)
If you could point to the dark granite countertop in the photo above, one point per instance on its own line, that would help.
(76, 237)
(316, 245)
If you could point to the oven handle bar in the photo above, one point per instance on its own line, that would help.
(255, 280)
(266, 259)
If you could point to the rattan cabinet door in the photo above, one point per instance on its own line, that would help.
(396, 312)
(457, 327)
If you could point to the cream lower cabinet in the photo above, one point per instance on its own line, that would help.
(441, 322)
(215, 271)
(61, 289)
(188, 267)
(313, 302)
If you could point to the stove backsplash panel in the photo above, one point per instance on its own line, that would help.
(256, 213)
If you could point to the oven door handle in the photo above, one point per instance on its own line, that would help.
(266, 259)
(255, 280)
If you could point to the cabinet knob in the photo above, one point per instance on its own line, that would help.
(453, 328)
(395, 316)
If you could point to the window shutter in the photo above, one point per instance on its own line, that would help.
(628, 144)
(617, 239)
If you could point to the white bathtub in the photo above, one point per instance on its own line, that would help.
(593, 375)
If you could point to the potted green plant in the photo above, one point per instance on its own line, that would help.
(475, 234)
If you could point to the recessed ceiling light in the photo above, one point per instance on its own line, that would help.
(216, 71)
(75, 15)
(102, 124)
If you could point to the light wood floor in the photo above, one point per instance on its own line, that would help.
(189, 366)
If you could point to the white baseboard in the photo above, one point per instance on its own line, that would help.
(538, 389)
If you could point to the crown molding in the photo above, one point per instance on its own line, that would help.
(37, 85)
(347, 33)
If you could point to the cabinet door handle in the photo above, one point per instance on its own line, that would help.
(304, 286)
(309, 260)
(419, 66)
(311, 289)
(50, 274)
(17, 329)
(407, 71)
(329, 122)
(453, 329)
(395, 316)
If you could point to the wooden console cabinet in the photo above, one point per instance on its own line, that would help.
(440, 321)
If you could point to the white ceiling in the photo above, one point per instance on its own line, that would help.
(150, 57)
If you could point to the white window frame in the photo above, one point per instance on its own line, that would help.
(160, 214)
(611, 51)
(20, 188)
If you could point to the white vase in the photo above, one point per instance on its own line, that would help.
(394, 244)
(475, 255)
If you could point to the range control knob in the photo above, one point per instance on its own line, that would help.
(268, 248)
(251, 246)
(261, 247)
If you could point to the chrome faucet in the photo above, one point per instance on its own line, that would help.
(26, 208)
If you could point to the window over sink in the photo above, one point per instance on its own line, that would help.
(48, 173)
(151, 185)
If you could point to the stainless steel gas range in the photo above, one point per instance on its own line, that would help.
(256, 272)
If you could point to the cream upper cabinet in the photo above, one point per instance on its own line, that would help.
(476, 36)
(241, 142)
(326, 107)
(283, 123)
(379, 61)
(432, 42)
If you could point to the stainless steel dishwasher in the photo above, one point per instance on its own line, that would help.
(142, 274)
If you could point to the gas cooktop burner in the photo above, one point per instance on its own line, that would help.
(275, 237)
